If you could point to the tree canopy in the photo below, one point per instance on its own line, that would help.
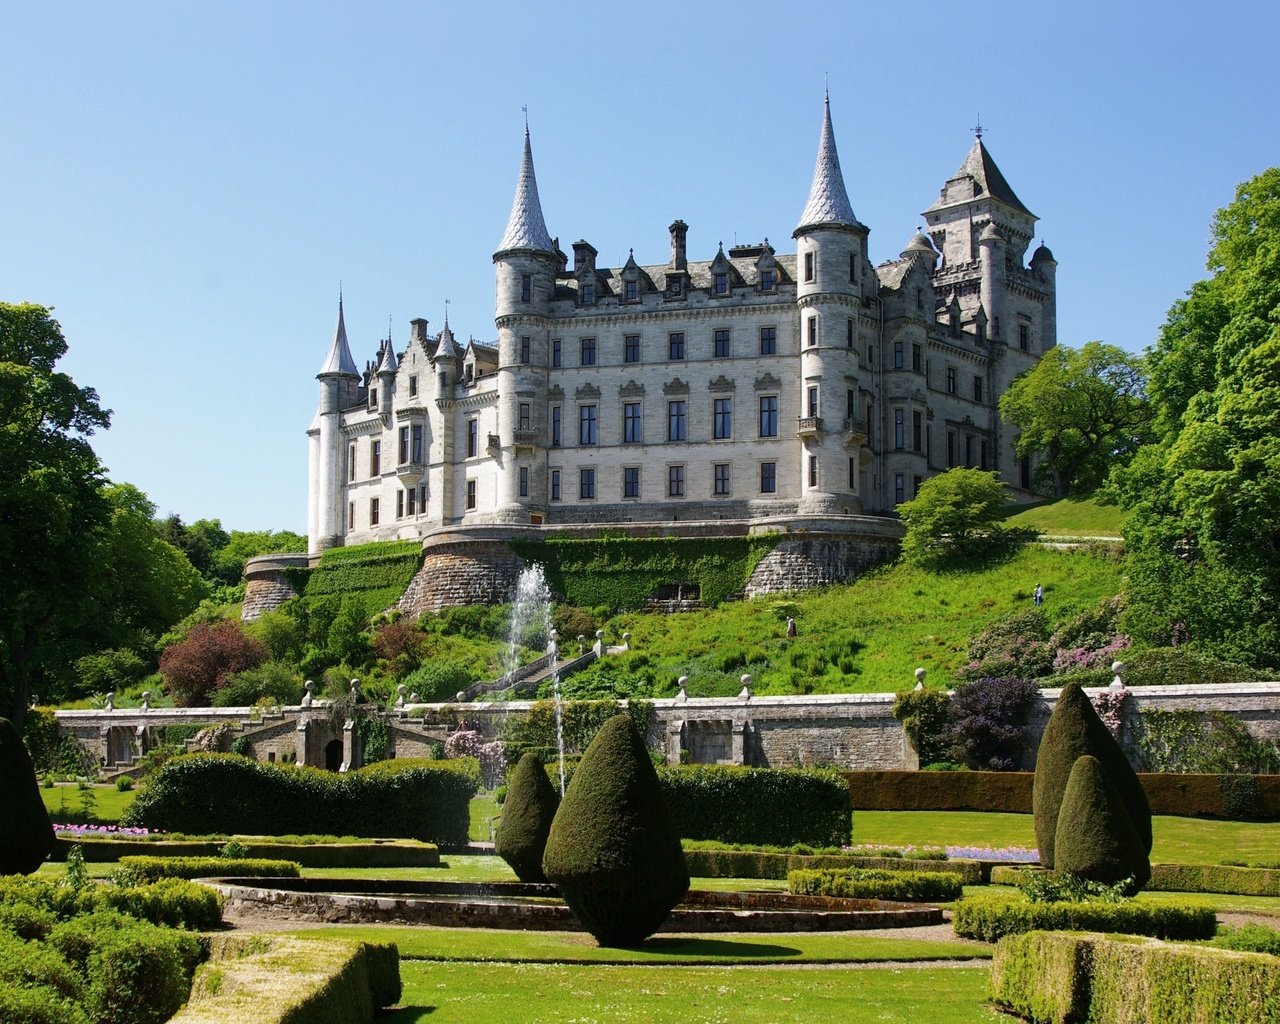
(954, 515)
(1083, 410)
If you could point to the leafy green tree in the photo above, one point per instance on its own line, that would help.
(228, 560)
(52, 510)
(1083, 410)
(1205, 495)
(956, 514)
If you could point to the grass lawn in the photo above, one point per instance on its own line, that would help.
(65, 803)
(1068, 518)
(484, 808)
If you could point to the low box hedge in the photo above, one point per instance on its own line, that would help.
(875, 884)
(1060, 978)
(758, 806)
(769, 864)
(1217, 878)
(400, 853)
(991, 918)
(152, 869)
(174, 902)
(226, 793)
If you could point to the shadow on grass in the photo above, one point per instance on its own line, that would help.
(405, 1014)
(726, 948)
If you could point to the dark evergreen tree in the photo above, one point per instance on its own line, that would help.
(1074, 730)
(1095, 839)
(26, 836)
(526, 819)
(613, 848)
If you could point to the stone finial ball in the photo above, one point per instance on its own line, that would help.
(920, 675)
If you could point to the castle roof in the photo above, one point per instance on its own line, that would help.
(987, 179)
(339, 360)
(445, 346)
(1042, 254)
(388, 364)
(828, 201)
(526, 228)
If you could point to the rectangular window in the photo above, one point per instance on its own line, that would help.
(473, 438)
(850, 404)
(766, 280)
(399, 504)
(631, 481)
(375, 458)
(917, 359)
(813, 471)
(632, 432)
(768, 415)
(411, 501)
(415, 450)
(917, 431)
(983, 456)
(587, 352)
(631, 348)
(722, 284)
(951, 380)
(899, 489)
(808, 266)
(587, 424)
(675, 421)
(768, 478)
(675, 481)
(422, 498)
(588, 293)
(586, 483)
(373, 398)
(720, 344)
(853, 268)
(526, 348)
(556, 352)
(951, 448)
(813, 330)
(471, 495)
(720, 476)
(555, 485)
(1024, 337)
(899, 428)
(968, 449)
(351, 515)
(977, 389)
(848, 333)
(351, 462)
(413, 386)
(374, 504)
(722, 414)
(526, 416)
(853, 475)
(524, 481)
(555, 426)
(812, 401)
(631, 291)
(675, 345)
(768, 341)
(526, 287)
(898, 360)
(403, 454)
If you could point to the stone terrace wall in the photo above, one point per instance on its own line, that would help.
(266, 587)
(809, 563)
(462, 573)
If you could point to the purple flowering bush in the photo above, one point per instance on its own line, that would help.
(988, 718)
(492, 755)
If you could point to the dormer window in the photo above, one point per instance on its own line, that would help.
(673, 287)
(631, 290)
(588, 293)
(373, 398)
(721, 283)
(768, 280)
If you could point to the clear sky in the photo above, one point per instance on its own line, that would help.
(188, 184)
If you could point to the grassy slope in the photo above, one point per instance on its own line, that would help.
(1068, 518)
(866, 637)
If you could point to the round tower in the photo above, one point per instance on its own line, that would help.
(993, 275)
(831, 271)
(1046, 267)
(339, 380)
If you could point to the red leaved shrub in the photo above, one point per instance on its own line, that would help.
(197, 665)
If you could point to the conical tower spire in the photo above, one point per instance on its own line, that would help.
(828, 200)
(526, 228)
(339, 360)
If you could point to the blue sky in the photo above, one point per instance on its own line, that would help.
(187, 184)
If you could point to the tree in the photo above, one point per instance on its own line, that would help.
(1083, 411)
(526, 819)
(240, 546)
(26, 836)
(955, 514)
(196, 666)
(53, 512)
(1205, 495)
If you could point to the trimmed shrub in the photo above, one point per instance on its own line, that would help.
(1249, 938)
(613, 848)
(20, 1004)
(776, 864)
(1061, 978)
(224, 793)
(1074, 730)
(758, 806)
(173, 902)
(1220, 878)
(876, 884)
(403, 853)
(526, 819)
(991, 918)
(152, 869)
(25, 920)
(1095, 839)
(31, 963)
(26, 835)
(1007, 792)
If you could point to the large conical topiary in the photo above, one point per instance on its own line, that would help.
(526, 819)
(1096, 839)
(613, 848)
(1073, 731)
(26, 836)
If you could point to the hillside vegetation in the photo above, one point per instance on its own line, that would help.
(1070, 518)
(868, 636)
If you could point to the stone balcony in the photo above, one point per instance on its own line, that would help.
(809, 426)
(524, 438)
(410, 473)
(856, 432)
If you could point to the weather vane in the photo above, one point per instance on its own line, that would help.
(978, 129)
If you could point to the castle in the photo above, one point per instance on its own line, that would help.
(753, 386)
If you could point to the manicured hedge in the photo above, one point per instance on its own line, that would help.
(1232, 797)
(225, 793)
(402, 853)
(1219, 878)
(767, 864)
(152, 869)
(171, 901)
(874, 884)
(1059, 978)
(991, 918)
(758, 806)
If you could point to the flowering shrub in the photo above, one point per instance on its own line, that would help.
(987, 720)
(1079, 659)
(103, 831)
(492, 755)
(1109, 704)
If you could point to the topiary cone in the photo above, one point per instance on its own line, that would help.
(26, 836)
(613, 848)
(1096, 839)
(1074, 730)
(526, 819)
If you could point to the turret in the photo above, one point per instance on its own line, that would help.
(339, 380)
(387, 366)
(993, 273)
(1044, 266)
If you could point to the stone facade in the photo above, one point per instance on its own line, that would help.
(751, 385)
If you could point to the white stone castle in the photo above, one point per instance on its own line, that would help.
(750, 387)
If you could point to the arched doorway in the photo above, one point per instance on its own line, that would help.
(333, 755)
